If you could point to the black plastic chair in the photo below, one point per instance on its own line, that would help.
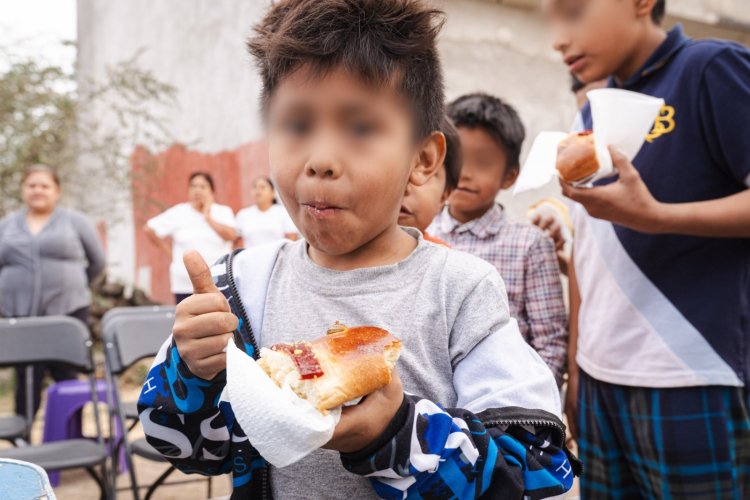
(64, 341)
(130, 336)
(16, 428)
(129, 407)
(13, 428)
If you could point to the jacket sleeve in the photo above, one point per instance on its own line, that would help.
(432, 452)
(184, 419)
(504, 440)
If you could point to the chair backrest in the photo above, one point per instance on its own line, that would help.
(118, 312)
(48, 339)
(129, 338)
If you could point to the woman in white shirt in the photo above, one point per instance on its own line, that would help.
(267, 220)
(200, 224)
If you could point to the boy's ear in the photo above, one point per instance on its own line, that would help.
(510, 177)
(643, 8)
(430, 157)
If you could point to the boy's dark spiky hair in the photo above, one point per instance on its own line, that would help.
(381, 41)
(657, 13)
(453, 157)
(495, 117)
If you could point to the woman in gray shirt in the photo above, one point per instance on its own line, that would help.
(48, 256)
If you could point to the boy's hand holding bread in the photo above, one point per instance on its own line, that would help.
(204, 324)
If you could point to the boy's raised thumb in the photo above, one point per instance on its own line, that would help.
(199, 273)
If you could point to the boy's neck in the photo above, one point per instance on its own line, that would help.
(653, 36)
(464, 217)
(389, 247)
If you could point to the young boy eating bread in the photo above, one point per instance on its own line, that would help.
(352, 98)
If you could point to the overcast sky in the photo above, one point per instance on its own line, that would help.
(37, 27)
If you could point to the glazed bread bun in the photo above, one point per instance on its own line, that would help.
(576, 157)
(344, 365)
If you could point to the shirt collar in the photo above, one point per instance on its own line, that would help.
(487, 225)
(676, 40)
(24, 211)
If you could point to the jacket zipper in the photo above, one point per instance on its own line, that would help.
(575, 463)
(265, 478)
(240, 306)
(527, 421)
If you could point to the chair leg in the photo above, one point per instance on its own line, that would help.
(159, 482)
(133, 481)
(110, 487)
(130, 465)
(102, 487)
(210, 487)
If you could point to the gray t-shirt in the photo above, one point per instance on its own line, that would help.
(441, 303)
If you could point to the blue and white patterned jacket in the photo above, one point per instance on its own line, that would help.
(426, 452)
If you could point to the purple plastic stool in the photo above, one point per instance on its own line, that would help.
(62, 418)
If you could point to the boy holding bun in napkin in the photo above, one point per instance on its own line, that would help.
(352, 98)
(660, 276)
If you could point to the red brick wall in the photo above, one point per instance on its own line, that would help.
(160, 181)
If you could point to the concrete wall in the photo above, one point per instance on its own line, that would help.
(197, 46)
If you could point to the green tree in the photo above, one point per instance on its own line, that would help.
(86, 129)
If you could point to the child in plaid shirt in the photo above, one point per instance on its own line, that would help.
(491, 135)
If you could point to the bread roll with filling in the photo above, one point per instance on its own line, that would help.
(576, 157)
(344, 365)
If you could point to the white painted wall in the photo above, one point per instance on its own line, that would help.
(197, 46)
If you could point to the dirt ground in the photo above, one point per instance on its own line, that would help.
(78, 485)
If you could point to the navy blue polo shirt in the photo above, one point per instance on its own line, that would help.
(670, 310)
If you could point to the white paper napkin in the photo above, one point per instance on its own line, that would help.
(621, 118)
(283, 427)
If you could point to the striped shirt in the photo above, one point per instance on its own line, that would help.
(525, 258)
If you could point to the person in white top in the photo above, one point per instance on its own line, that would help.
(267, 220)
(200, 224)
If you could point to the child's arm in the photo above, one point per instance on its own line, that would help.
(179, 403)
(629, 203)
(724, 110)
(504, 441)
(545, 307)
